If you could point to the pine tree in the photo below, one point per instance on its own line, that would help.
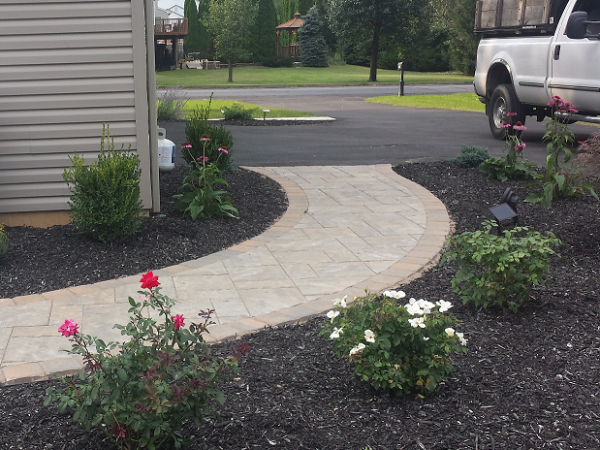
(264, 40)
(313, 45)
(305, 5)
(193, 41)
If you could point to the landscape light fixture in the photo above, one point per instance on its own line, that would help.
(506, 211)
(401, 87)
(265, 111)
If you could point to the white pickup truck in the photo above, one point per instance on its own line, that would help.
(532, 50)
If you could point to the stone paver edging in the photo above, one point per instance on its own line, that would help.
(355, 244)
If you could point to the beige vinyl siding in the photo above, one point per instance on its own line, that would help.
(67, 67)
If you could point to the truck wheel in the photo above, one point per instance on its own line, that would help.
(504, 100)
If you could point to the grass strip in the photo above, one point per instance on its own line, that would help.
(456, 102)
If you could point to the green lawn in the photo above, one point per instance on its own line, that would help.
(457, 102)
(217, 105)
(299, 76)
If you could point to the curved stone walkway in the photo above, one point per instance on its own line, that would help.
(346, 229)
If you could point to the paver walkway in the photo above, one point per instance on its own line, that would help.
(346, 229)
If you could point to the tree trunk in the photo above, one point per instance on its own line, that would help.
(374, 54)
(230, 67)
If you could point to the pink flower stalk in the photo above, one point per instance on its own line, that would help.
(205, 138)
(223, 149)
(149, 281)
(69, 328)
(520, 147)
(186, 145)
(178, 321)
(519, 126)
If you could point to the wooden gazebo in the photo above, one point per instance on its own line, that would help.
(291, 26)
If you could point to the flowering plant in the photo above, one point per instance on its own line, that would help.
(513, 165)
(559, 181)
(3, 241)
(202, 199)
(401, 347)
(139, 392)
(500, 270)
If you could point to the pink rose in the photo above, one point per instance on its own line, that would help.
(178, 321)
(69, 328)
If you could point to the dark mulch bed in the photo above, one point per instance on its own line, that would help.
(44, 260)
(529, 381)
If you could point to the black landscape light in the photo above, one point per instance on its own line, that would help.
(506, 211)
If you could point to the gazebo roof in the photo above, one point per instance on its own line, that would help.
(293, 24)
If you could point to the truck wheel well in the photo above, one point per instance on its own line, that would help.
(498, 74)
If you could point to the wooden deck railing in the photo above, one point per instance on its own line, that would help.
(292, 51)
(165, 27)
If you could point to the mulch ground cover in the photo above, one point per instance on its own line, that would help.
(529, 381)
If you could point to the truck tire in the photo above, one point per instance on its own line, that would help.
(504, 100)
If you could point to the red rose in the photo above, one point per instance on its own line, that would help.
(149, 281)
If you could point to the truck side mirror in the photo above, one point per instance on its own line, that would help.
(576, 26)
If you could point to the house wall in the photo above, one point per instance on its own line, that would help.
(67, 67)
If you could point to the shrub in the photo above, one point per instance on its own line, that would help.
(3, 241)
(278, 61)
(140, 391)
(198, 125)
(500, 270)
(310, 37)
(105, 200)
(514, 165)
(470, 156)
(237, 112)
(558, 180)
(170, 105)
(405, 349)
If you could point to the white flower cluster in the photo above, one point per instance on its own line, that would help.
(359, 348)
(450, 332)
(395, 294)
(341, 303)
(419, 307)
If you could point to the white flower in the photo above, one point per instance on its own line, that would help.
(449, 331)
(461, 336)
(333, 314)
(417, 322)
(413, 309)
(359, 348)
(395, 294)
(336, 333)
(444, 305)
(425, 338)
(369, 336)
(426, 306)
(341, 303)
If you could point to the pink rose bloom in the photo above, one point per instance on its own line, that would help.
(69, 328)
(178, 321)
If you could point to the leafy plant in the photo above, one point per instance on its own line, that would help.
(105, 200)
(405, 349)
(513, 166)
(500, 270)
(3, 241)
(140, 391)
(197, 125)
(171, 104)
(202, 199)
(237, 112)
(559, 181)
(277, 61)
(470, 156)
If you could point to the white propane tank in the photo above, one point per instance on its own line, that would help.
(166, 152)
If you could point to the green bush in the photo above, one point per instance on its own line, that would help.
(170, 105)
(500, 270)
(236, 112)
(140, 391)
(105, 195)
(470, 156)
(3, 241)
(405, 349)
(278, 61)
(310, 37)
(198, 125)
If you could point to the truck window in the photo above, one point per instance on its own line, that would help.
(592, 7)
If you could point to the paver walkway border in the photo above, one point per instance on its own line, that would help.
(424, 254)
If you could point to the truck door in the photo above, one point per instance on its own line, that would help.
(575, 63)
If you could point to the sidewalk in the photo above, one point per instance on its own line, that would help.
(347, 228)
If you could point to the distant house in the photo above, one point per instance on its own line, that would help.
(175, 12)
(169, 27)
(67, 67)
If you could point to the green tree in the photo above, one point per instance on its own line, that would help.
(230, 23)
(192, 42)
(313, 45)
(463, 42)
(377, 19)
(264, 40)
(304, 6)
